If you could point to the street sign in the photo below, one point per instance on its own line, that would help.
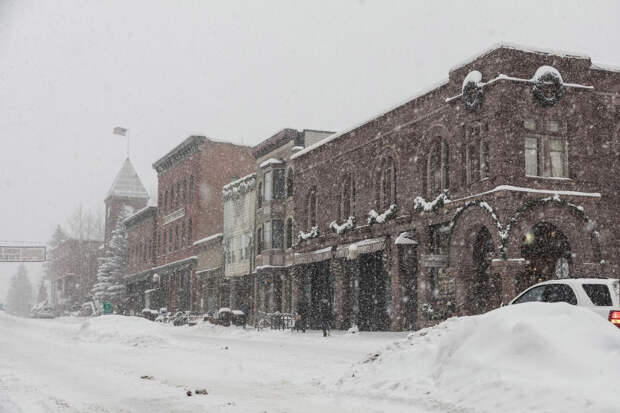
(107, 307)
(434, 261)
(22, 254)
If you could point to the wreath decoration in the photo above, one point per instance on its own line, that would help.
(472, 96)
(539, 88)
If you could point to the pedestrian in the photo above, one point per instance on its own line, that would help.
(325, 316)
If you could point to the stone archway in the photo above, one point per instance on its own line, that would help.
(547, 254)
(474, 242)
(571, 222)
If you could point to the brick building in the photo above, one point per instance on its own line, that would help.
(73, 272)
(126, 191)
(141, 244)
(274, 222)
(452, 202)
(189, 208)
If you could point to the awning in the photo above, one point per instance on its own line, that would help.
(314, 256)
(366, 246)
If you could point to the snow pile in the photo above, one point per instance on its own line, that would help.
(544, 70)
(524, 358)
(473, 76)
(117, 329)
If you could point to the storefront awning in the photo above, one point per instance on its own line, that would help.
(314, 256)
(366, 246)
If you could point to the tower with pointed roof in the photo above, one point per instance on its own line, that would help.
(127, 191)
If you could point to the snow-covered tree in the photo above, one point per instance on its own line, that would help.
(42, 294)
(19, 296)
(109, 285)
(58, 237)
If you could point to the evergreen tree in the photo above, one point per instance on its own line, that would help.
(19, 296)
(58, 237)
(109, 285)
(42, 295)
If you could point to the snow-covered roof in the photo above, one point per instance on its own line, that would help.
(508, 45)
(144, 211)
(531, 190)
(357, 125)
(238, 181)
(271, 161)
(207, 239)
(127, 184)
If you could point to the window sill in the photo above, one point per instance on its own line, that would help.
(555, 178)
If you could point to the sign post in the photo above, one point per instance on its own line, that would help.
(107, 307)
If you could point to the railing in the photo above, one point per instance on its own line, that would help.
(275, 321)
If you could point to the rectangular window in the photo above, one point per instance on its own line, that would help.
(529, 124)
(532, 156)
(267, 235)
(553, 126)
(278, 184)
(278, 234)
(598, 294)
(556, 153)
(268, 186)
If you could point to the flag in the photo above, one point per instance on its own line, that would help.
(120, 131)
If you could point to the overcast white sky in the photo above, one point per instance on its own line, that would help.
(233, 70)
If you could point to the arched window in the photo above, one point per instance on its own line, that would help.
(385, 184)
(289, 233)
(184, 190)
(347, 198)
(259, 241)
(311, 205)
(438, 167)
(289, 182)
(166, 202)
(171, 205)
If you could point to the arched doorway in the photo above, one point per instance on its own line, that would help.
(486, 291)
(547, 253)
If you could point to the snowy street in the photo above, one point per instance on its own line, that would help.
(65, 365)
(529, 357)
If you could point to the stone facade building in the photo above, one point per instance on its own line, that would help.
(238, 240)
(451, 203)
(274, 217)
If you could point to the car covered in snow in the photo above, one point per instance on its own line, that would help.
(601, 295)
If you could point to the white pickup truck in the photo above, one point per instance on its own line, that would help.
(601, 295)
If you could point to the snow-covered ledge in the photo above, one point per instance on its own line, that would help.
(374, 216)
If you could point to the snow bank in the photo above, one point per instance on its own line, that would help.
(117, 329)
(523, 358)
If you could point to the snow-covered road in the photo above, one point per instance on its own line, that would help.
(96, 365)
(535, 358)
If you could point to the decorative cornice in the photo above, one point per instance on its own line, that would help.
(189, 146)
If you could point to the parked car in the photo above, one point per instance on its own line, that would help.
(150, 314)
(224, 316)
(45, 312)
(601, 295)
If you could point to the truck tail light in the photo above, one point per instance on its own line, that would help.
(614, 318)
